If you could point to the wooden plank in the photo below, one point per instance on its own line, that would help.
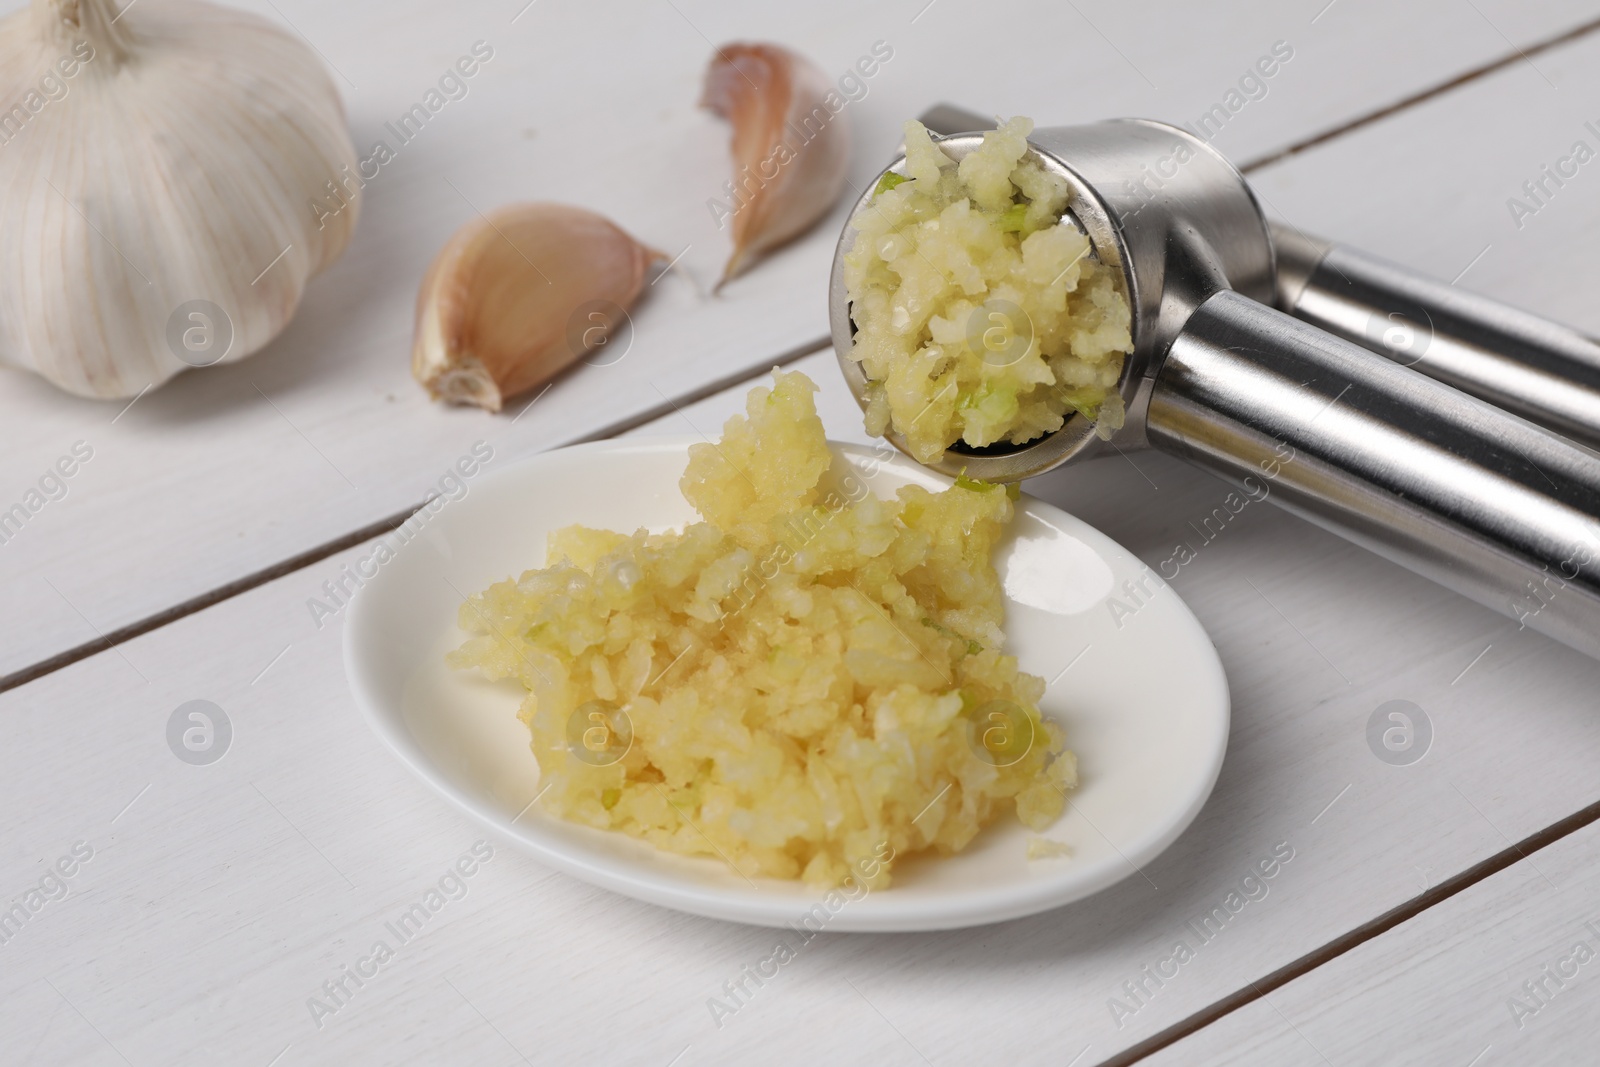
(231, 471)
(1433, 186)
(1504, 972)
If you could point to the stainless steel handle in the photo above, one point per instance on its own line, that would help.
(1479, 500)
(1541, 370)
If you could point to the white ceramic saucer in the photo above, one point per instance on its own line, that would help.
(1142, 697)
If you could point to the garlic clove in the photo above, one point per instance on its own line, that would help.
(790, 151)
(518, 295)
(176, 174)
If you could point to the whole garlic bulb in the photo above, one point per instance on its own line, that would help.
(157, 167)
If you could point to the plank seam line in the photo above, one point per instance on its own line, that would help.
(1423, 96)
(318, 553)
(1357, 936)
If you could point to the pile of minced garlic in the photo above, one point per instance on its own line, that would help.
(981, 314)
(806, 684)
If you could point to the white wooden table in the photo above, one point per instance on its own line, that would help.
(1426, 906)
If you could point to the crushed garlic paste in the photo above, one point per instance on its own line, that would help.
(802, 683)
(981, 314)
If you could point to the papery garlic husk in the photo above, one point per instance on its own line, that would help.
(195, 162)
(518, 295)
(790, 151)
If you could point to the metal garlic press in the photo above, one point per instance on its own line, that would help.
(1447, 484)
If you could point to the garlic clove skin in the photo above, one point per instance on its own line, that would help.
(510, 300)
(790, 152)
(195, 153)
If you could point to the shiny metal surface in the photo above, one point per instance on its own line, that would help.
(1543, 371)
(1482, 501)
(1298, 256)
(1444, 484)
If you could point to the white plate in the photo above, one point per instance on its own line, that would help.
(1142, 697)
